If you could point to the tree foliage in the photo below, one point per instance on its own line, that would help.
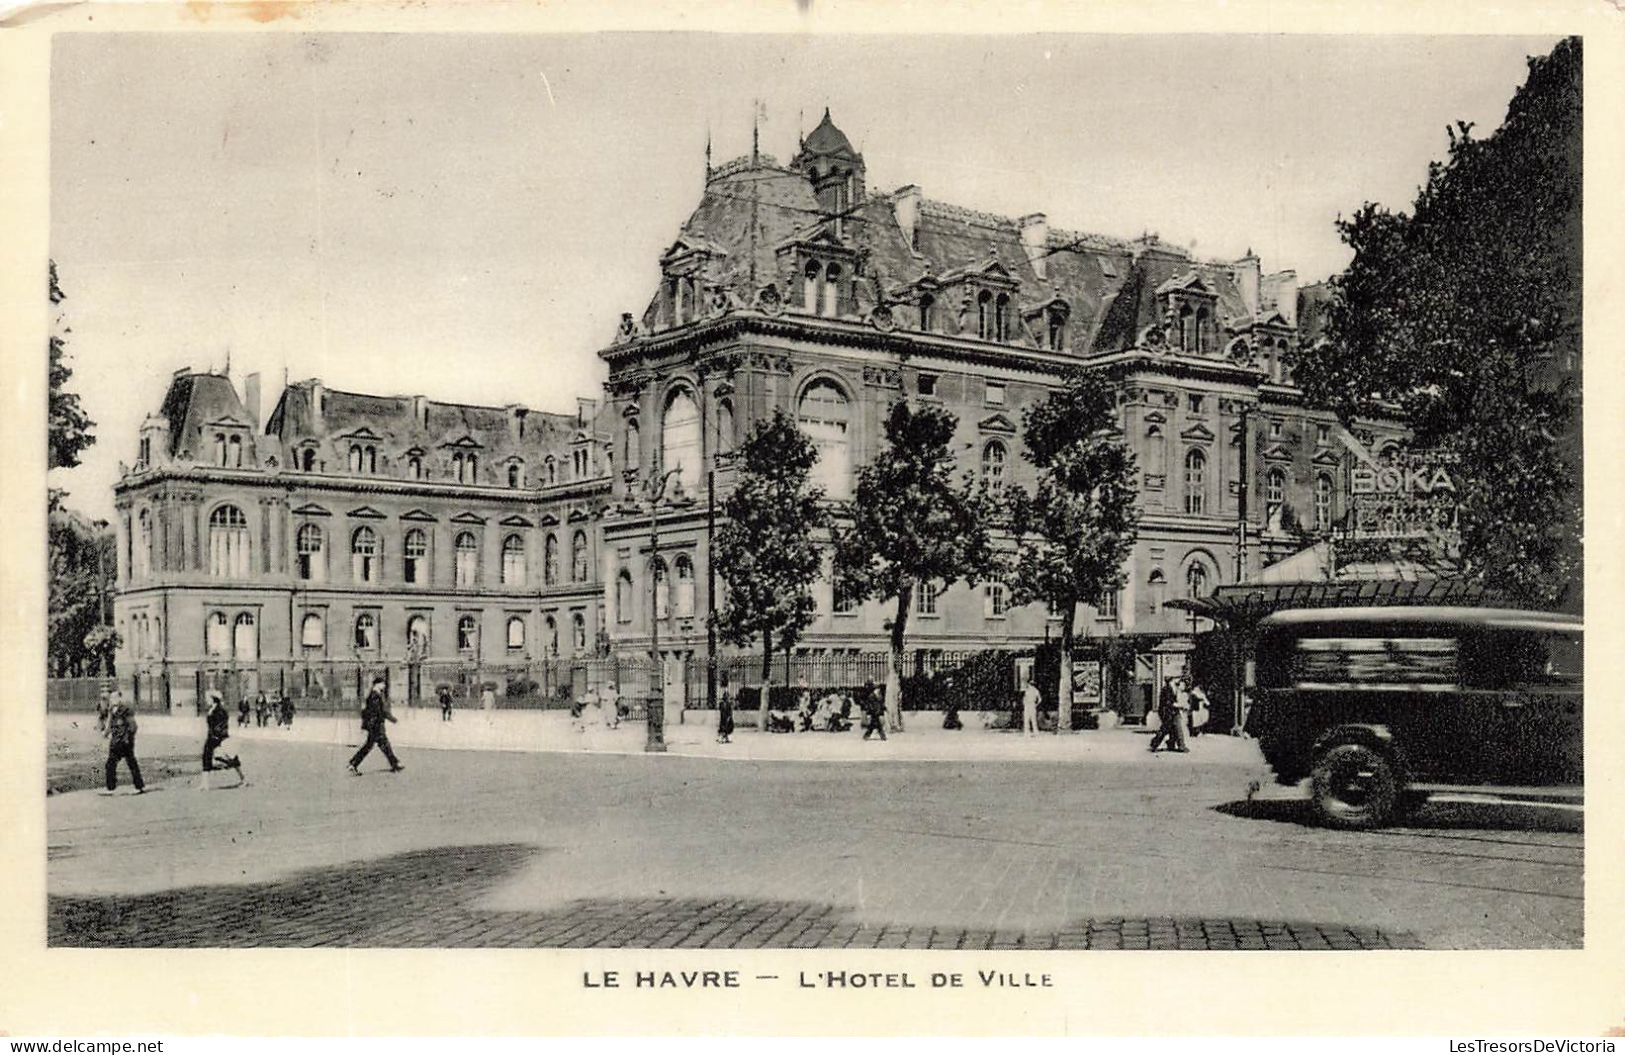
(69, 425)
(767, 551)
(912, 526)
(1464, 313)
(1075, 529)
(81, 558)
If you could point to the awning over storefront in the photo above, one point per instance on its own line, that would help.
(1244, 603)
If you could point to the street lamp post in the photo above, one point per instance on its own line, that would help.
(724, 459)
(655, 741)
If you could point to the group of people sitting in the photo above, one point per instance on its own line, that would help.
(832, 713)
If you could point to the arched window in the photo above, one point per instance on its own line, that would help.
(1187, 338)
(415, 556)
(680, 439)
(310, 560)
(1204, 331)
(307, 459)
(516, 632)
(1195, 472)
(414, 467)
(550, 560)
(216, 634)
(578, 629)
(143, 553)
(685, 587)
(927, 304)
(984, 315)
(228, 543)
(220, 448)
(312, 633)
(245, 643)
(372, 459)
(832, 290)
(550, 471)
(824, 413)
(550, 627)
(993, 467)
(355, 457)
(1196, 580)
(578, 557)
(513, 474)
(662, 589)
(417, 636)
(366, 632)
(1001, 317)
(1275, 487)
(465, 559)
(513, 561)
(364, 555)
(624, 597)
(457, 465)
(471, 467)
(468, 634)
(634, 446)
(1323, 502)
(235, 445)
(809, 286)
(725, 425)
(1057, 329)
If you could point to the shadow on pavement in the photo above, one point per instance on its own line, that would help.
(1432, 816)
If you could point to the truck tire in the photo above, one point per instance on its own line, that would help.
(1355, 786)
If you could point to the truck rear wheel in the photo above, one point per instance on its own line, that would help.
(1355, 786)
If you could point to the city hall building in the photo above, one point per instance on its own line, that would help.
(388, 529)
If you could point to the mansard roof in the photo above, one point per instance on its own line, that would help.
(196, 400)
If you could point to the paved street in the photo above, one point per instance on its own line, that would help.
(1077, 842)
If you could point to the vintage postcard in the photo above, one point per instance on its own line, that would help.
(821, 520)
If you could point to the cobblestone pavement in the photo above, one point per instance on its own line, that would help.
(494, 849)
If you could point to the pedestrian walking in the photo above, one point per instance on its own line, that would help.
(374, 713)
(444, 694)
(725, 710)
(121, 729)
(1030, 698)
(610, 700)
(104, 707)
(1172, 706)
(219, 730)
(874, 711)
(286, 708)
(1201, 709)
(243, 707)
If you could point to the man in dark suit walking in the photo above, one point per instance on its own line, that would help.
(121, 728)
(373, 716)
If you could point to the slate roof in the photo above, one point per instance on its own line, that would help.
(196, 400)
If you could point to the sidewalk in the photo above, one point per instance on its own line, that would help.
(553, 731)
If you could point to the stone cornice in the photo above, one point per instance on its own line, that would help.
(302, 483)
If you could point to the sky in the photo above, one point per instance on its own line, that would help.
(467, 216)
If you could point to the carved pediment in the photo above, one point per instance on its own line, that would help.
(365, 513)
(578, 515)
(1190, 282)
(1155, 417)
(420, 516)
(464, 442)
(1197, 431)
(548, 520)
(362, 433)
(515, 520)
(310, 509)
(1277, 452)
(997, 423)
(1326, 456)
(227, 422)
(467, 518)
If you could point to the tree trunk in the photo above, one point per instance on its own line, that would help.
(767, 679)
(894, 661)
(1063, 691)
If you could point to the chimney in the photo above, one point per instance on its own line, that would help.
(1035, 239)
(251, 399)
(1247, 278)
(906, 204)
(586, 410)
(420, 412)
(516, 421)
(1281, 293)
(315, 402)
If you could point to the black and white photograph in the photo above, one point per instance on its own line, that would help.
(977, 493)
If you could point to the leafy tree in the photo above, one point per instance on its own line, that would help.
(767, 550)
(912, 527)
(1075, 530)
(80, 557)
(1465, 314)
(69, 425)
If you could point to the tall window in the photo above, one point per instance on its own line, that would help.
(1204, 331)
(550, 471)
(471, 467)
(417, 636)
(1108, 605)
(513, 561)
(925, 598)
(1187, 337)
(624, 597)
(311, 631)
(1323, 502)
(984, 315)
(550, 560)
(662, 590)
(680, 439)
(578, 631)
(1195, 471)
(550, 627)
(216, 634)
(466, 559)
(809, 286)
(998, 600)
(578, 557)
(685, 587)
(725, 425)
(307, 459)
(220, 448)
(1057, 329)
(228, 543)
(514, 473)
(414, 467)
(516, 632)
(366, 632)
(1001, 317)
(1156, 452)
(1196, 580)
(832, 290)
(634, 446)
(824, 414)
(310, 560)
(993, 467)
(364, 555)
(143, 553)
(235, 445)
(927, 304)
(415, 556)
(1275, 487)
(355, 457)
(468, 634)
